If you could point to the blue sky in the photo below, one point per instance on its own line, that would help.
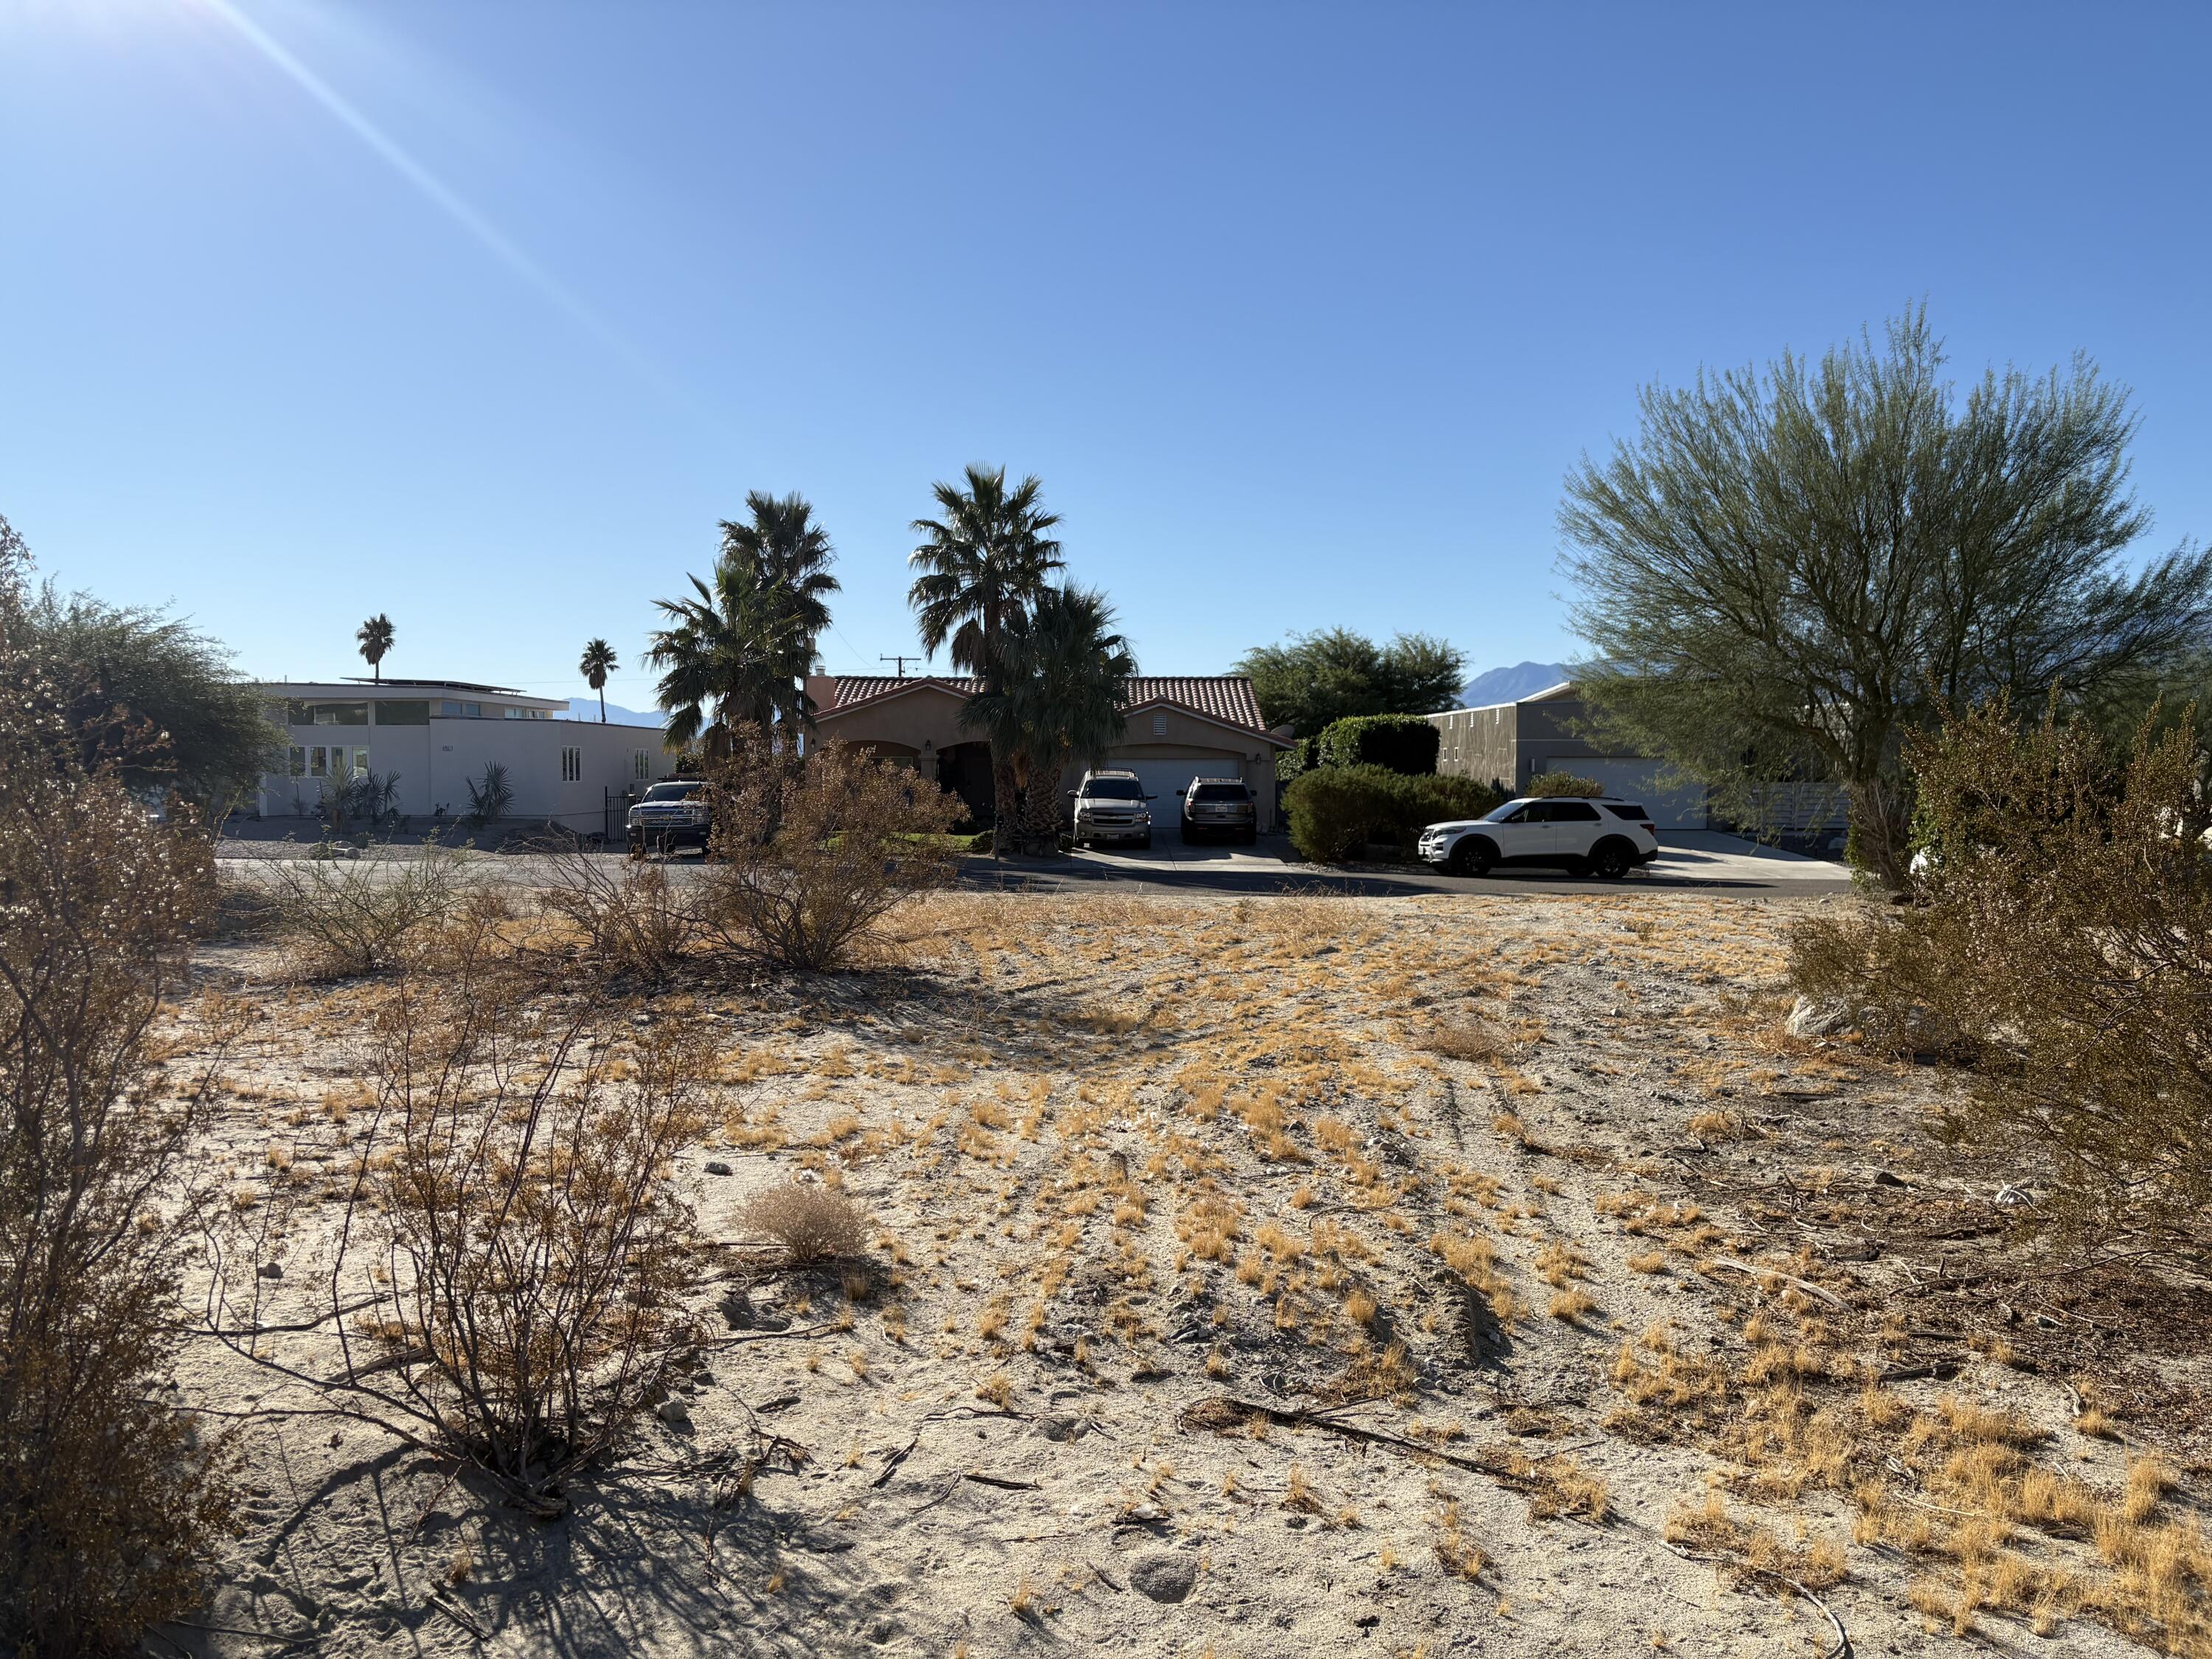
(482, 313)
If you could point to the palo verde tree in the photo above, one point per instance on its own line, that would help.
(1786, 573)
(985, 561)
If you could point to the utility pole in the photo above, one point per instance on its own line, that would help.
(901, 662)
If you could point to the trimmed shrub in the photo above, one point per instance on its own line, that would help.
(1336, 809)
(1552, 786)
(1398, 742)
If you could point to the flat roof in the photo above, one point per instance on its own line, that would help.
(356, 689)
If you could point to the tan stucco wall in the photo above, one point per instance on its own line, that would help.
(901, 724)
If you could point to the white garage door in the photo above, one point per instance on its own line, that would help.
(1168, 779)
(1680, 808)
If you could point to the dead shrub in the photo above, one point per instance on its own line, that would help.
(512, 1183)
(810, 854)
(109, 1501)
(813, 1223)
(1547, 786)
(2061, 940)
(1471, 1039)
(348, 916)
(634, 918)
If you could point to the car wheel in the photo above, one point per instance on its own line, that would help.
(1468, 858)
(1147, 843)
(1611, 860)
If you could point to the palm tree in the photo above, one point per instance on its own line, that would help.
(982, 562)
(727, 656)
(599, 662)
(790, 554)
(1061, 699)
(374, 636)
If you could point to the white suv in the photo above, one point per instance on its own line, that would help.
(1605, 836)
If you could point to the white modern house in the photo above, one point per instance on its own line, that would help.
(438, 736)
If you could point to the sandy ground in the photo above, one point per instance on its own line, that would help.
(1553, 1268)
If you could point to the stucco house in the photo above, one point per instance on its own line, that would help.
(438, 736)
(1510, 742)
(1176, 728)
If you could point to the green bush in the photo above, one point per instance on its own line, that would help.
(1336, 809)
(1551, 785)
(1398, 742)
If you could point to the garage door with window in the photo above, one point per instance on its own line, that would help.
(1677, 808)
(1167, 778)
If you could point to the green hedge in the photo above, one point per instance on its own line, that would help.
(1398, 742)
(1334, 810)
(1547, 786)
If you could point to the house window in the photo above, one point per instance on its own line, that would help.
(571, 765)
(317, 761)
(460, 711)
(299, 762)
(399, 712)
(337, 714)
(640, 764)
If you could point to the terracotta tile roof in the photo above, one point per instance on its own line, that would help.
(1226, 697)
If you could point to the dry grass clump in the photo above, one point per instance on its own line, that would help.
(1471, 1038)
(813, 1223)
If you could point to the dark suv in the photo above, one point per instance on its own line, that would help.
(1219, 806)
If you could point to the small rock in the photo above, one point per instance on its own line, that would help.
(270, 1270)
(1063, 1425)
(1164, 1575)
(1808, 1018)
(715, 1166)
(1884, 1178)
(675, 1414)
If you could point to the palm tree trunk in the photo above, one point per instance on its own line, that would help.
(603, 705)
(1041, 817)
(1005, 808)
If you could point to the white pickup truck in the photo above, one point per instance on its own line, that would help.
(672, 815)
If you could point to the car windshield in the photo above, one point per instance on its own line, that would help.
(672, 791)
(1500, 814)
(1219, 792)
(1113, 789)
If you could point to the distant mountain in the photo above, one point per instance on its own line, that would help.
(1511, 684)
(587, 708)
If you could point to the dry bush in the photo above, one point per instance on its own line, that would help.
(2061, 938)
(346, 916)
(109, 1504)
(813, 1223)
(511, 1188)
(810, 854)
(634, 918)
(1547, 786)
(1473, 1038)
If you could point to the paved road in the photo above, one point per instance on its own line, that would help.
(1699, 861)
